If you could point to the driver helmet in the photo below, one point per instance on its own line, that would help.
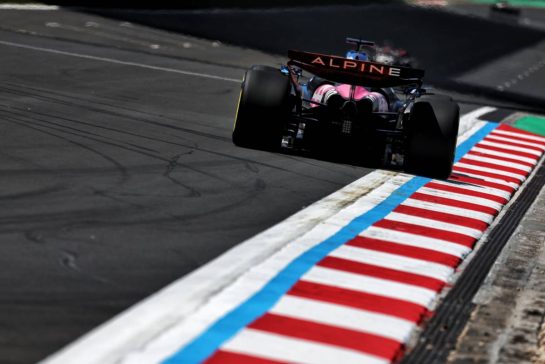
(357, 55)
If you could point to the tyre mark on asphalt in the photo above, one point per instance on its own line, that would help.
(117, 216)
(34, 121)
(96, 126)
(173, 163)
(33, 193)
(122, 170)
(90, 105)
(24, 114)
(251, 167)
(193, 132)
(68, 216)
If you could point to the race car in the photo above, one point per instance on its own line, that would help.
(394, 56)
(348, 108)
(504, 7)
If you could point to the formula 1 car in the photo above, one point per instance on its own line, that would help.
(278, 111)
(394, 56)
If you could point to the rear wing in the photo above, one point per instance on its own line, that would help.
(354, 72)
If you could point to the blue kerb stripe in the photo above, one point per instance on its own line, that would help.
(225, 328)
(463, 148)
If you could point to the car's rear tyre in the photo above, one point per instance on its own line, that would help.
(263, 109)
(432, 130)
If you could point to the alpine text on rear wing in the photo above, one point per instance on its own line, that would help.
(355, 72)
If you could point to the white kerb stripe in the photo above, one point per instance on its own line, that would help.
(432, 206)
(291, 350)
(493, 160)
(500, 139)
(419, 241)
(422, 221)
(393, 261)
(367, 284)
(491, 170)
(475, 174)
(519, 135)
(345, 317)
(476, 188)
(460, 197)
(510, 147)
(505, 155)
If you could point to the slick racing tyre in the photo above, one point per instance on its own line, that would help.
(432, 130)
(263, 109)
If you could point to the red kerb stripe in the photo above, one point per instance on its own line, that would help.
(427, 231)
(515, 144)
(520, 137)
(328, 334)
(351, 266)
(464, 191)
(504, 159)
(442, 216)
(229, 357)
(452, 202)
(404, 250)
(516, 130)
(487, 174)
(359, 300)
(508, 151)
(480, 182)
(494, 166)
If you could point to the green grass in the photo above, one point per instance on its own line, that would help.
(533, 124)
(523, 3)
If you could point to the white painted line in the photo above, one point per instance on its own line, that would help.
(14, 6)
(419, 241)
(362, 283)
(393, 261)
(117, 61)
(345, 317)
(436, 207)
(290, 350)
(421, 221)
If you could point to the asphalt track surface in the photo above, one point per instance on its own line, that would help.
(118, 172)
(118, 179)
